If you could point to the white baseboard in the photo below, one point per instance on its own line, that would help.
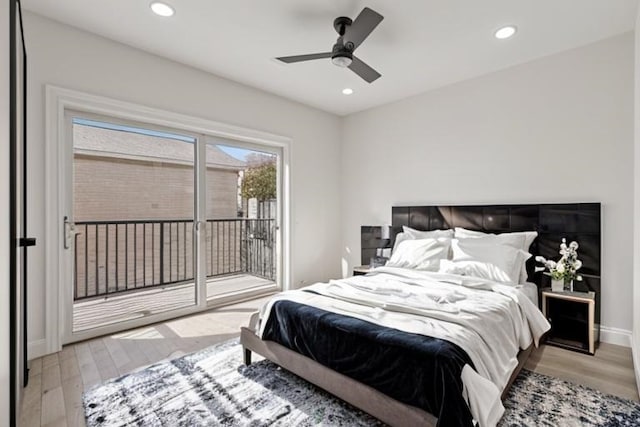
(615, 336)
(36, 349)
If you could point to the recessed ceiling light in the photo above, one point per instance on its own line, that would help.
(347, 91)
(162, 9)
(506, 32)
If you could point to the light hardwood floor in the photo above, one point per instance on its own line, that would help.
(53, 396)
(610, 370)
(122, 307)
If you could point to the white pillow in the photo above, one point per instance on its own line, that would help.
(519, 240)
(501, 263)
(409, 233)
(421, 254)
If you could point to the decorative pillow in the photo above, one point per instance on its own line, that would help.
(501, 263)
(519, 240)
(421, 254)
(409, 233)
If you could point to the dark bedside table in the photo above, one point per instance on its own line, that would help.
(361, 270)
(571, 315)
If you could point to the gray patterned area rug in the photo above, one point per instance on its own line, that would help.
(213, 388)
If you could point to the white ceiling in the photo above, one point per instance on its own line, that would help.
(420, 45)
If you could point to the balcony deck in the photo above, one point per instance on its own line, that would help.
(89, 314)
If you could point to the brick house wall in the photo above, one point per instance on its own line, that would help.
(124, 175)
(108, 189)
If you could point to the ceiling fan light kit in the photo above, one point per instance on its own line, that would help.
(350, 35)
(342, 59)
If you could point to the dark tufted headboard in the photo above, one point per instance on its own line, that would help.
(575, 221)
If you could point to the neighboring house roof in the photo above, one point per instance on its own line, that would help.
(95, 141)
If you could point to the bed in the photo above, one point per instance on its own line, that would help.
(380, 343)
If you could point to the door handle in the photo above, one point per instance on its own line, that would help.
(69, 232)
(27, 241)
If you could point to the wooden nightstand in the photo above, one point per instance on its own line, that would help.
(361, 270)
(571, 315)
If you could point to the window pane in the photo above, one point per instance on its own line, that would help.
(241, 234)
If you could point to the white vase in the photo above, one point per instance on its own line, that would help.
(557, 285)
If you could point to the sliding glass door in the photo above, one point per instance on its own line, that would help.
(242, 216)
(129, 228)
(161, 222)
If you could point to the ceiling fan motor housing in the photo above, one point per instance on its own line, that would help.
(342, 52)
(340, 48)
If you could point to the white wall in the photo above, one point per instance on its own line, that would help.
(636, 211)
(70, 58)
(558, 129)
(4, 214)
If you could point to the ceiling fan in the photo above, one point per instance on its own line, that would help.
(352, 34)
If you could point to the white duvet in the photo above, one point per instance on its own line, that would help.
(491, 322)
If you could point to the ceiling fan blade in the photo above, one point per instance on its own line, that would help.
(300, 58)
(363, 70)
(363, 25)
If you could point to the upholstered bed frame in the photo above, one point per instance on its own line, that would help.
(370, 400)
(580, 222)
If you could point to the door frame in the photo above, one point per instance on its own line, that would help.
(59, 100)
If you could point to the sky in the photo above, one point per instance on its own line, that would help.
(238, 153)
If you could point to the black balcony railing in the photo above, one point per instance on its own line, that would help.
(119, 256)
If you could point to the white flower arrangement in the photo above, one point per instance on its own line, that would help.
(567, 267)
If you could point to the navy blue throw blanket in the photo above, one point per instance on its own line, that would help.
(413, 369)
